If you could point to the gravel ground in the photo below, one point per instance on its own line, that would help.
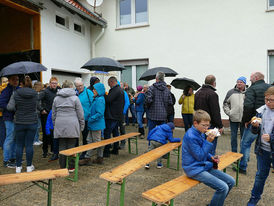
(91, 191)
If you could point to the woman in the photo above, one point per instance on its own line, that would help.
(68, 120)
(38, 86)
(139, 100)
(187, 102)
(24, 103)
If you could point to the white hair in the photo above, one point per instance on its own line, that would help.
(78, 80)
(160, 76)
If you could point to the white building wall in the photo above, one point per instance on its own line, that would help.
(63, 49)
(196, 38)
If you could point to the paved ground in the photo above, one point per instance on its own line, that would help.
(91, 191)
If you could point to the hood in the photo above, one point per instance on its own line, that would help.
(26, 93)
(100, 88)
(209, 86)
(66, 92)
(91, 81)
(166, 128)
(160, 85)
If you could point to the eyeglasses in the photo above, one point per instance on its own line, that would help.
(269, 100)
(205, 125)
(78, 86)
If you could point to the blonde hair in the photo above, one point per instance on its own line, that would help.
(269, 91)
(67, 84)
(53, 79)
(201, 115)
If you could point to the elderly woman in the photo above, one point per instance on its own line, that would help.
(68, 119)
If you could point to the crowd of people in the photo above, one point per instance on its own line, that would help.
(69, 111)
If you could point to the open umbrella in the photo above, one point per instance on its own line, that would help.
(103, 64)
(23, 67)
(151, 73)
(182, 83)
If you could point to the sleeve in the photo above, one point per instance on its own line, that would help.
(99, 110)
(80, 113)
(11, 104)
(172, 139)
(149, 95)
(249, 105)
(112, 96)
(213, 103)
(181, 100)
(42, 96)
(173, 99)
(54, 112)
(140, 99)
(226, 104)
(4, 98)
(49, 124)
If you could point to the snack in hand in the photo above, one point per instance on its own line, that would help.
(214, 131)
(256, 119)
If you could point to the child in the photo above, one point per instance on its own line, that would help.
(197, 161)
(159, 136)
(264, 147)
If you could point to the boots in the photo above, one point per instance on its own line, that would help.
(142, 131)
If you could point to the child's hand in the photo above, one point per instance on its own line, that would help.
(210, 137)
(216, 158)
(266, 137)
(255, 124)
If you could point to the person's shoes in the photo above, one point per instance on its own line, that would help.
(98, 160)
(10, 163)
(240, 170)
(71, 170)
(18, 169)
(85, 162)
(36, 143)
(147, 166)
(30, 168)
(159, 165)
(5, 163)
(252, 202)
(54, 157)
(115, 152)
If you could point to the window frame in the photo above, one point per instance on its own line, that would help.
(269, 53)
(133, 23)
(82, 28)
(269, 8)
(66, 26)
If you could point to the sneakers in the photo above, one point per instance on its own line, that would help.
(147, 166)
(252, 202)
(240, 170)
(18, 169)
(159, 165)
(71, 170)
(38, 143)
(10, 164)
(30, 168)
(54, 157)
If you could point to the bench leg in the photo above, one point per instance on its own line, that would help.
(122, 193)
(48, 188)
(49, 192)
(108, 191)
(178, 159)
(168, 160)
(237, 172)
(129, 146)
(136, 145)
(76, 167)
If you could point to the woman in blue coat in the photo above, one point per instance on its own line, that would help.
(139, 100)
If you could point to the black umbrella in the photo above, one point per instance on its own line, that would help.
(182, 83)
(103, 64)
(151, 73)
(23, 67)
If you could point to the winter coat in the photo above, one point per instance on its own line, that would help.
(139, 102)
(207, 99)
(49, 124)
(170, 108)
(2, 87)
(86, 98)
(158, 98)
(195, 152)
(127, 103)
(24, 103)
(47, 96)
(162, 134)
(254, 98)
(115, 102)
(96, 120)
(67, 114)
(4, 100)
(187, 103)
(233, 104)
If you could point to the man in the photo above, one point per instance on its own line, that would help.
(170, 109)
(9, 152)
(158, 98)
(130, 92)
(233, 107)
(47, 96)
(254, 98)
(113, 114)
(208, 100)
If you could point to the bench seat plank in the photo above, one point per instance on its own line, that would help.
(119, 173)
(95, 145)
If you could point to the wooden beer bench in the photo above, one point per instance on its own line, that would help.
(74, 153)
(119, 174)
(164, 194)
(36, 177)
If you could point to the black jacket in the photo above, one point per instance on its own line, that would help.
(170, 108)
(47, 96)
(115, 103)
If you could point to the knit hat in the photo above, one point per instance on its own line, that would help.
(92, 81)
(139, 88)
(171, 125)
(243, 79)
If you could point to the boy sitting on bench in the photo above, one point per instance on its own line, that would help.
(197, 162)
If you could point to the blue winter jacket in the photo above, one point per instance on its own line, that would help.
(4, 100)
(162, 134)
(86, 98)
(139, 102)
(96, 120)
(49, 123)
(127, 103)
(195, 152)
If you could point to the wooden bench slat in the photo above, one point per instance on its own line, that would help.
(32, 176)
(119, 173)
(95, 145)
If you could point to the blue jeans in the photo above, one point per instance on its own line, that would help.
(234, 134)
(111, 127)
(247, 139)
(133, 114)
(140, 119)
(2, 132)
(9, 144)
(24, 135)
(188, 120)
(219, 181)
(152, 124)
(263, 166)
(36, 138)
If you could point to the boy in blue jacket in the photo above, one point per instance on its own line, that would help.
(158, 136)
(197, 162)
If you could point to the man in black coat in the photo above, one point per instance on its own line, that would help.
(207, 99)
(113, 114)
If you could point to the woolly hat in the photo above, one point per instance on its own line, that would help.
(171, 125)
(243, 79)
(139, 88)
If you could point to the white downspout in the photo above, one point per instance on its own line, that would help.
(95, 41)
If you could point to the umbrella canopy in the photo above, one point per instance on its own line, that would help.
(23, 67)
(103, 64)
(182, 83)
(151, 73)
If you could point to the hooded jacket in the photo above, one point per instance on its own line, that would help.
(195, 152)
(162, 134)
(96, 120)
(24, 103)
(158, 98)
(86, 98)
(67, 114)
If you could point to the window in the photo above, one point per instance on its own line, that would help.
(62, 21)
(270, 4)
(133, 12)
(271, 66)
(79, 28)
